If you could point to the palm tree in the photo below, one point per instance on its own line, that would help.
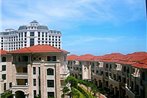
(65, 91)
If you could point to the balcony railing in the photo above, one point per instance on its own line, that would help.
(23, 87)
(21, 75)
(114, 82)
(64, 76)
(21, 63)
(129, 92)
(97, 75)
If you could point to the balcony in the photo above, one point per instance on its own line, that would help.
(129, 92)
(21, 75)
(15, 88)
(45, 62)
(21, 63)
(113, 82)
(98, 76)
(64, 76)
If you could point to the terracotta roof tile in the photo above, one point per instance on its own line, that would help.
(136, 59)
(37, 49)
(86, 57)
(72, 57)
(3, 52)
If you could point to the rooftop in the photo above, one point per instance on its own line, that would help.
(137, 59)
(3, 52)
(37, 49)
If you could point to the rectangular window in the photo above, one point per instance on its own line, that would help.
(31, 41)
(50, 83)
(34, 70)
(51, 58)
(34, 82)
(3, 67)
(39, 70)
(31, 33)
(25, 34)
(10, 84)
(34, 93)
(50, 94)
(38, 34)
(4, 86)
(42, 34)
(4, 76)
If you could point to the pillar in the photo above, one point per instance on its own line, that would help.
(26, 95)
(13, 95)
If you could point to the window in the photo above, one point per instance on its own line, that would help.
(50, 83)
(50, 94)
(25, 34)
(50, 71)
(25, 59)
(4, 86)
(38, 34)
(3, 59)
(51, 58)
(143, 75)
(34, 82)
(106, 74)
(34, 93)
(106, 65)
(3, 67)
(31, 33)
(42, 34)
(39, 70)
(4, 76)
(34, 70)
(10, 84)
(31, 41)
(124, 68)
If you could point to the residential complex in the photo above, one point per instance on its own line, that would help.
(33, 64)
(122, 76)
(32, 71)
(29, 35)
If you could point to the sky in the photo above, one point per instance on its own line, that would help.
(88, 26)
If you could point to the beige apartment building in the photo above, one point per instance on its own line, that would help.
(122, 76)
(32, 71)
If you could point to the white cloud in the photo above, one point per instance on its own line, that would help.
(63, 12)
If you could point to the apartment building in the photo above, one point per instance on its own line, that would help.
(122, 76)
(29, 35)
(32, 71)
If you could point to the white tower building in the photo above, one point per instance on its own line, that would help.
(29, 35)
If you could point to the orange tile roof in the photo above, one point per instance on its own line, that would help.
(37, 49)
(72, 57)
(137, 59)
(86, 57)
(3, 52)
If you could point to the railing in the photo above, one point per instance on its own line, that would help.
(21, 75)
(21, 63)
(63, 76)
(129, 92)
(112, 81)
(97, 75)
(20, 87)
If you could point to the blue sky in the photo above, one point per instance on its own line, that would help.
(88, 26)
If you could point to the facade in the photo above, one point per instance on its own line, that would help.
(32, 71)
(122, 76)
(29, 35)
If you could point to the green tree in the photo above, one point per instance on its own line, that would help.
(7, 94)
(72, 80)
(65, 91)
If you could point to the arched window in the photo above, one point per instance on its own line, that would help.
(50, 71)
(3, 59)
